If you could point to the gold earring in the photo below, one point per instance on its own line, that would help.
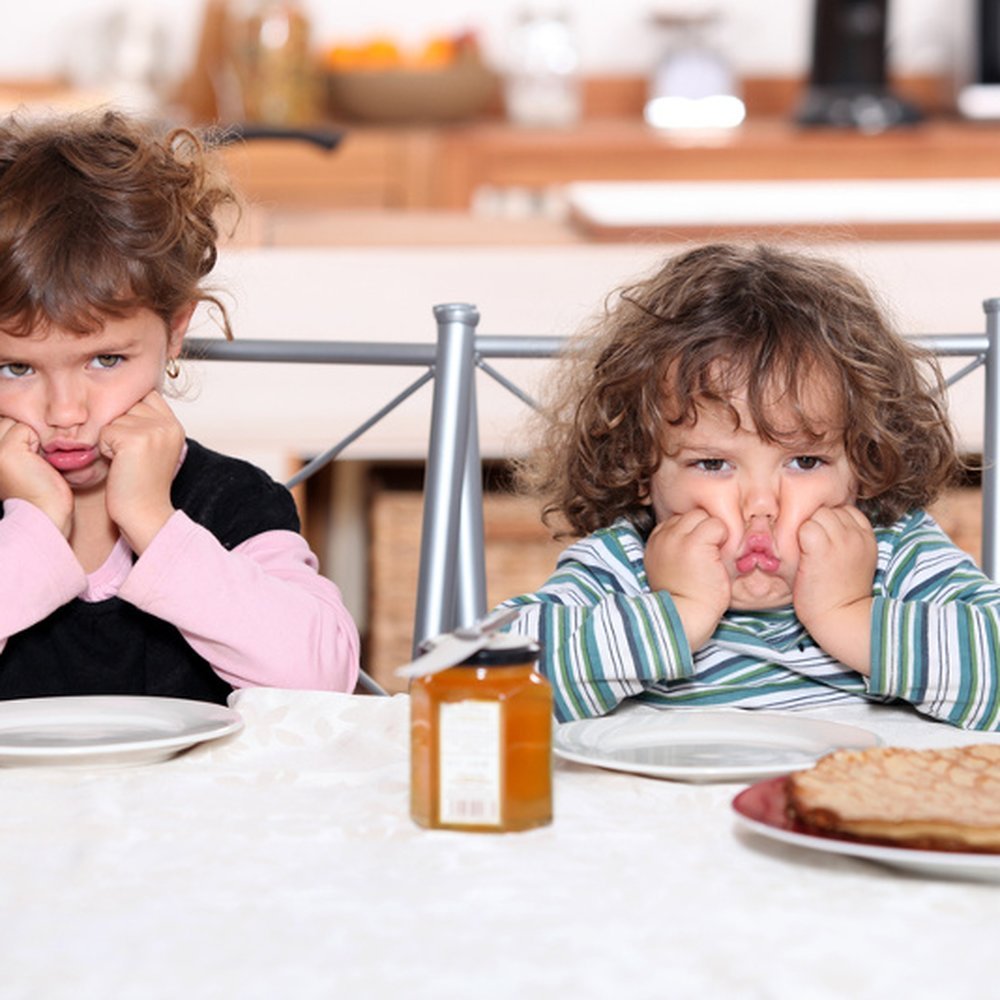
(173, 369)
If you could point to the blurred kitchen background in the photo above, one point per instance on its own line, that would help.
(528, 157)
(53, 38)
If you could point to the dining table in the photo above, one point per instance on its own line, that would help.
(281, 861)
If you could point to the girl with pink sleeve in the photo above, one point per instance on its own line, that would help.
(135, 561)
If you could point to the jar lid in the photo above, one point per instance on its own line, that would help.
(504, 650)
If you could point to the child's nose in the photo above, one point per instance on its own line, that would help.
(67, 403)
(760, 500)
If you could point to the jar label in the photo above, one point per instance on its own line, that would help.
(470, 763)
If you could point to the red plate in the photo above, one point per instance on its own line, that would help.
(762, 808)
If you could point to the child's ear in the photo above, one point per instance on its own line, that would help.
(179, 324)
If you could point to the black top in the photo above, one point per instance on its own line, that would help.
(110, 646)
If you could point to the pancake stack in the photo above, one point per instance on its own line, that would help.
(946, 800)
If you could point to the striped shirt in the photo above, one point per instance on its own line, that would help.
(606, 636)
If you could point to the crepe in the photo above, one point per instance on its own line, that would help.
(930, 799)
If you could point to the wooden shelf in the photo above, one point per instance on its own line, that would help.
(764, 150)
(441, 168)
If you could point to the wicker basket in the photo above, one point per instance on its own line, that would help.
(960, 514)
(406, 96)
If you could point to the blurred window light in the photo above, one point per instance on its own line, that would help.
(980, 100)
(713, 111)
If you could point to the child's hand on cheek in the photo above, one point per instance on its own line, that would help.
(25, 475)
(683, 557)
(144, 446)
(832, 592)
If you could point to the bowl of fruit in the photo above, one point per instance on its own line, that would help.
(379, 81)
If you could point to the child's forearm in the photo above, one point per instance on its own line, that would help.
(935, 639)
(943, 658)
(846, 634)
(260, 614)
(598, 655)
(40, 571)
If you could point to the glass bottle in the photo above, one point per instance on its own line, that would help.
(481, 742)
(275, 64)
(542, 85)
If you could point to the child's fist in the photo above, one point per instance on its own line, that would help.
(684, 558)
(25, 475)
(833, 585)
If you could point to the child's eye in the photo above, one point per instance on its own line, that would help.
(107, 360)
(710, 464)
(805, 463)
(14, 369)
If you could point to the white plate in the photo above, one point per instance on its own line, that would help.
(107, 729)
(723, 744)
(761, 808)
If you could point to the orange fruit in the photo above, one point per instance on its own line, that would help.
(380, 53)
(341, 57)
(438, 51)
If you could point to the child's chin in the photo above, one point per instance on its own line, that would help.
(86, 478)
(760, 591)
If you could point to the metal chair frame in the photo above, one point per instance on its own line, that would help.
(452, 578)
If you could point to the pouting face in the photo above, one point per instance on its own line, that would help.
(762, 491)
(66, 386)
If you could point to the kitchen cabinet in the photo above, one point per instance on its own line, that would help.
(371, 168)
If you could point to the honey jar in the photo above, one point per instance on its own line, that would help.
(481, 742)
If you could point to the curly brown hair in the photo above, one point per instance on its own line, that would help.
(757, 319)
(102, 214)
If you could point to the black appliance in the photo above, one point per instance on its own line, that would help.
(848, 85)
(979, 69)
(988, 24)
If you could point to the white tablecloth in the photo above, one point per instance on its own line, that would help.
(282, 862)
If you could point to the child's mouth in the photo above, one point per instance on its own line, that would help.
(70, 459)
(759, 554)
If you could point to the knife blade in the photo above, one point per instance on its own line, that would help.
(451, 648)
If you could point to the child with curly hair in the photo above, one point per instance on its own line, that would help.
(135, 560)
(746, 450)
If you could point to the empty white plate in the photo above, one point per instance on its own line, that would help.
(723, 744)
(107, 729)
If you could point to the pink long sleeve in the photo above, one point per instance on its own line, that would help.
(40, 571)
(260, 614)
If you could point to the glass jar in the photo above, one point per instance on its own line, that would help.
(481, 742)
(274, 64)
(693, 84)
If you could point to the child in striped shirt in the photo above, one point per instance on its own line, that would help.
(745, 449)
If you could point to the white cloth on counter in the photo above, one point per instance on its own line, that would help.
(282, 861)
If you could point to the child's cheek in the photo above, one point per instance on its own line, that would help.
(787, 537)
(670, 501)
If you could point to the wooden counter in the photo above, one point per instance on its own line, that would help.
(261, 226)
(628, 150)
(442, 167)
